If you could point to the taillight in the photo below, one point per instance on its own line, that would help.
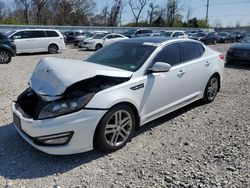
(222, 57)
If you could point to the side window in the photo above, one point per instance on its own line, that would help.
(51, 34)
(170, 54)
(175, 34)
(190, 50)
(117, 36)
(202, 50)
(109, 37)
(180, 34)
(37, 34)
(21, 35)
(138, 32)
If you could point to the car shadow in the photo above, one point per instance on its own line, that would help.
(238, 66)
(36, 53)
(19, 160)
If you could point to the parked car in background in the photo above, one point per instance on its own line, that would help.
(101, 40)
(88, 35)
(137, 32)
(150, 35)
(225, 37)
(206, 38)
(193, 32)
(37, 40)
(72, 106)
(70, 36)
(7, 49)
(239, 36)
(175, 34)
(239, 53)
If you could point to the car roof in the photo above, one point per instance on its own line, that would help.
(155, 41)
(142, 40)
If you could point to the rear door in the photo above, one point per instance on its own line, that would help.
(197, 65)
(22, 41)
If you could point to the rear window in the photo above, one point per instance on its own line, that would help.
(37, 34)
(191, 50)
(52, 34)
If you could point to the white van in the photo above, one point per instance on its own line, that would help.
(37, 40)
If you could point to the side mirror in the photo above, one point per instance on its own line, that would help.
(160, 67)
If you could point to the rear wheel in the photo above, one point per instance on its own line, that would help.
(53, 49)
(5, 57)
(116, 128)
(98, 47)
(211, 90)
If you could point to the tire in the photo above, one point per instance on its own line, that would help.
(111, 134)
(98, 47)
(5, 57)
(211, 89)
(53, 49)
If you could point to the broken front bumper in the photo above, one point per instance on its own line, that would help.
(82, 123)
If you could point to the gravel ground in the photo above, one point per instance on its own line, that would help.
(197, 146)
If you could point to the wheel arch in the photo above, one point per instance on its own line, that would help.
(54, 44)
(134, 109)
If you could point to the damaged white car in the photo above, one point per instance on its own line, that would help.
(73, 106)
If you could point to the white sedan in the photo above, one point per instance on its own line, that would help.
(102, 39)
(73, 106)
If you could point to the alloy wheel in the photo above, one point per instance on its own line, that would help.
(212, 88)
(118, 128)
(4, 57)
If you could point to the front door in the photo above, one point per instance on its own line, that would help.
(167, 90)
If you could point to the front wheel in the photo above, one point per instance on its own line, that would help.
(5, 57)
(115, 129)
(211, 90)
(53, 49)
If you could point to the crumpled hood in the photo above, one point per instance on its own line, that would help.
(52, 76)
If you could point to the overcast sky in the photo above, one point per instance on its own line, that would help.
(227, 11)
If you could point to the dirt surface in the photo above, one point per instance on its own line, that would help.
(196, 146)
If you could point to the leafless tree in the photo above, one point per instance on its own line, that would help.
(137, 9)
(24, 10)
(2, 10)
(173, 9)
(153, 12)
(38, 6)
(114, 15)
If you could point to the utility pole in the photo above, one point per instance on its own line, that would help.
(207, 11)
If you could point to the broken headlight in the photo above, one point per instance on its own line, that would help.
(62, 107)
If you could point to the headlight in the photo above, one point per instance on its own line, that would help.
(61, 107)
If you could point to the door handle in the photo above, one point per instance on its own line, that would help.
(207, 64)
(181, 73)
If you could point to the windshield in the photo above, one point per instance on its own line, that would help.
(201, 34)
(246, 39)
(128, 56)
(223, 34)
(131, 31)
(8, 33)
(79, 33)
(168, 34)
(99, 36)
